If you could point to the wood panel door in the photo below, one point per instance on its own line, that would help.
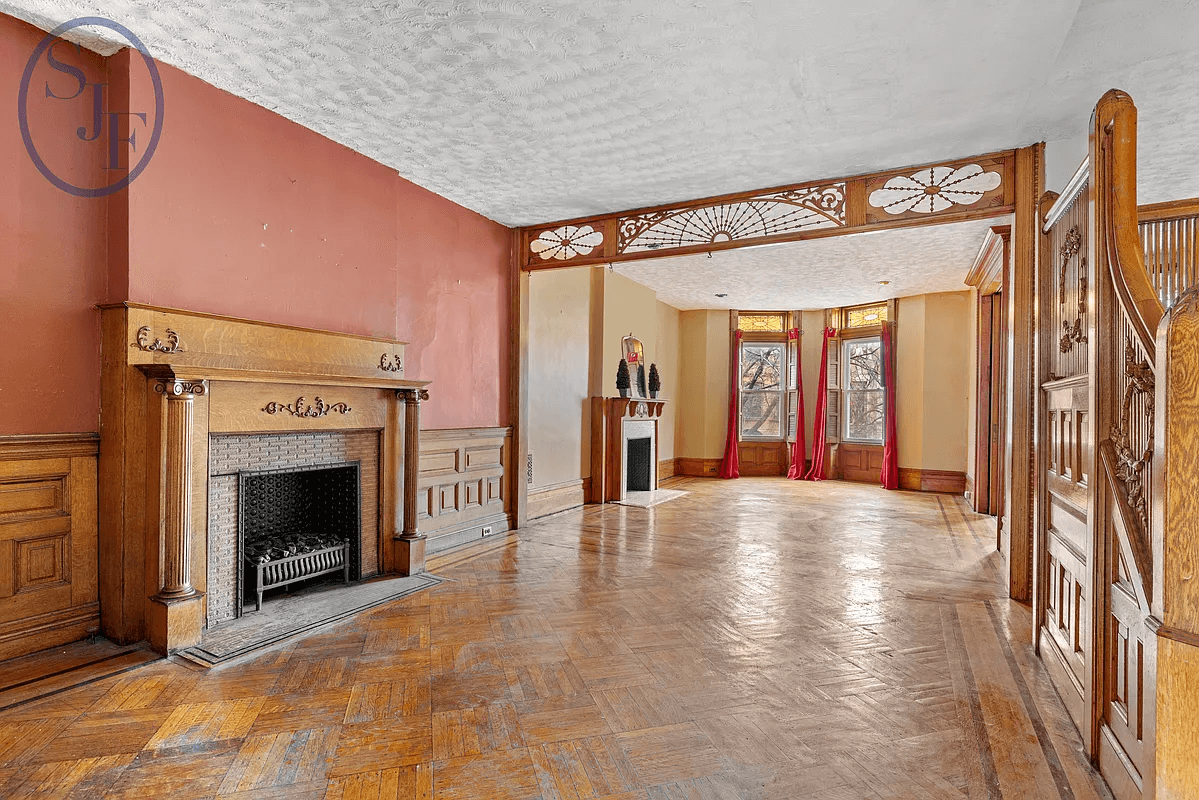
(860, 462)
(1066, 545)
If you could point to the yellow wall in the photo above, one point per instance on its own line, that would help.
(703, 383)
(934, 353)
(666, 355)
(632, 308)
(559, 348)
(811, 348)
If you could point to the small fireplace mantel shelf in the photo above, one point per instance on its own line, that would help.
(608, 415)
(172, 378)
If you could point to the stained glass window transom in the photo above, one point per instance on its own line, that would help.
(764, 323)
(866, 316)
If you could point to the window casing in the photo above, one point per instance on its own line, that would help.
(863, 394)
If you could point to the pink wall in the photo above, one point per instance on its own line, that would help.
(242, 212)
(52, 251)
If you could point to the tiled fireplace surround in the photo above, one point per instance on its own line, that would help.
(230, 453)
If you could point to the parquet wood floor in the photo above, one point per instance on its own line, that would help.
(755, 639)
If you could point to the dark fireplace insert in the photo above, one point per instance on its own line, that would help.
(637, 476)
(294, 525)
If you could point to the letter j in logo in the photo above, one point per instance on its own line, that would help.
(117, 131)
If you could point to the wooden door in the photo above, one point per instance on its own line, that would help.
(1065, 541)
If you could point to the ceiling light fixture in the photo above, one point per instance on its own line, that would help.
(721, 294)
(883, 283)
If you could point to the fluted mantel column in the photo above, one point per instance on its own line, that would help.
(411, 399)
(176, 545)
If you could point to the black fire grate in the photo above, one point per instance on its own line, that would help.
(637, 469)
(287, 513)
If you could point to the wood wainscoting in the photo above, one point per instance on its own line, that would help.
(860, 462)
(932, 480)
(546, 500)
(698, 467)
(48, 533)
(463, 485)
(764, 458)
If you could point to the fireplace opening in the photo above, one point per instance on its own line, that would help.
(637, 477)
(296, 527)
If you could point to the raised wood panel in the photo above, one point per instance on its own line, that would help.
(462, 483)
(33, 499)
(238, 407)
(48, 542)
(763, 458)
(860, 462)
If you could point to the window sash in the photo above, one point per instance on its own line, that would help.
(777, 393)
(848, 394)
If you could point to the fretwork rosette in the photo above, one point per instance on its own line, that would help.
(752, 218)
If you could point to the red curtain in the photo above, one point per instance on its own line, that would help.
(730, 465)
(799, 452)
(816, 473)
(890, 473)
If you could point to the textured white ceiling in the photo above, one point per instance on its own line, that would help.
(819, 273)
(530, 110)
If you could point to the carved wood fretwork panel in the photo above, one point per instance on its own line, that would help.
(966, 189)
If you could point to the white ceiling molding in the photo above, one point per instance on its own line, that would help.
(529, 112)
(819, 273)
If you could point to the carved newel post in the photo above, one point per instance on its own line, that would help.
(175, 621)
(410, 543)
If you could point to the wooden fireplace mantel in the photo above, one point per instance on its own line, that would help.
(170, 379)
(607, 416)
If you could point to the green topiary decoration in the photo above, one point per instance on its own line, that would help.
(655, 381)
(622, 378)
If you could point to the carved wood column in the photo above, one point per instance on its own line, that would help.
(176, 545)
(410, 544)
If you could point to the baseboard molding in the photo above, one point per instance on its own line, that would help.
(698, 467)
(52, 629)
(447, 538)
(932, 480)
(668, 468)
(557, 497)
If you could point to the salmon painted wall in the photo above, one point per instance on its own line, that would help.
(52, 249)
(284, 225)
(245, 213)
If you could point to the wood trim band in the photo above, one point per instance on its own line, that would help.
(20, 447)
(1178, 635)
(932, 480)
(224, 318)
(1171, 209)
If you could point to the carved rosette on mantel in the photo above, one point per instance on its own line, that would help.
(161, 402)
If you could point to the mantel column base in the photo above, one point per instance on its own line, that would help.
(410, 554)
(175, 623)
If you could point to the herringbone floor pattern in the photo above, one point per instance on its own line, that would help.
(755, 639)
